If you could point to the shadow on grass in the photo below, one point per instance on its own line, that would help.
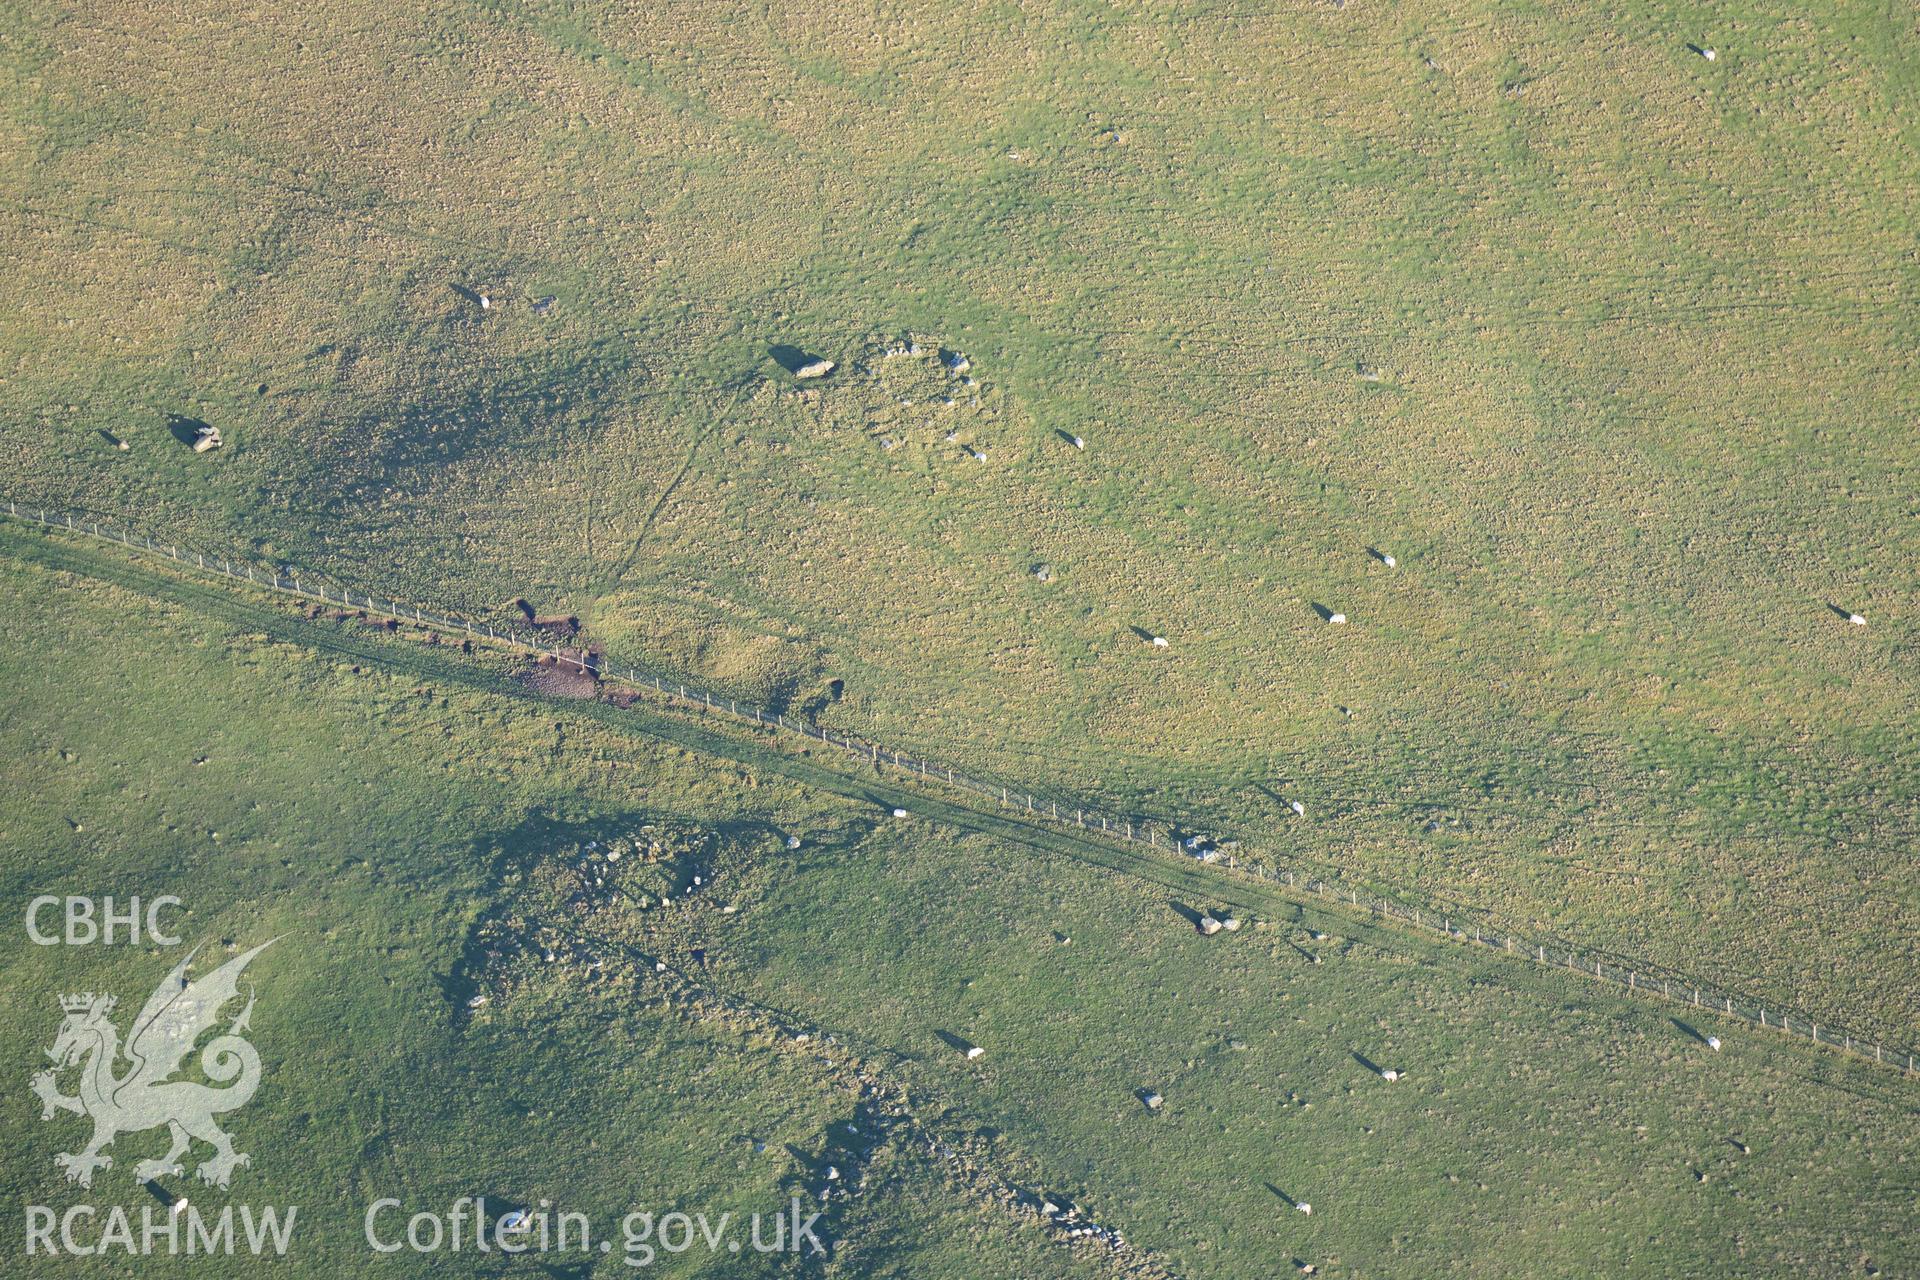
(185, 429)
(1690, 1030)
(954, 1042)
(790, 357)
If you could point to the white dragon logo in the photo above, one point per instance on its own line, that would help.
(176, 1015)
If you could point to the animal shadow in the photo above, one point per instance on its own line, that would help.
(1692, 1031)
(185, 429)
(1185, 912)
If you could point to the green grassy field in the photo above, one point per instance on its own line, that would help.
(418, 833)
(372, 823)
(1609, 346)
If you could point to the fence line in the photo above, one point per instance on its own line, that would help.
(1452, 922)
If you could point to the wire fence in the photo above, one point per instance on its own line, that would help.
(1175, 840)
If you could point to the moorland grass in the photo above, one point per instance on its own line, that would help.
(1608, 344)
(375, 801)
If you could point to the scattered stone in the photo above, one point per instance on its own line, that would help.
(818, 367)
(1207, 926)
(1043, 572)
